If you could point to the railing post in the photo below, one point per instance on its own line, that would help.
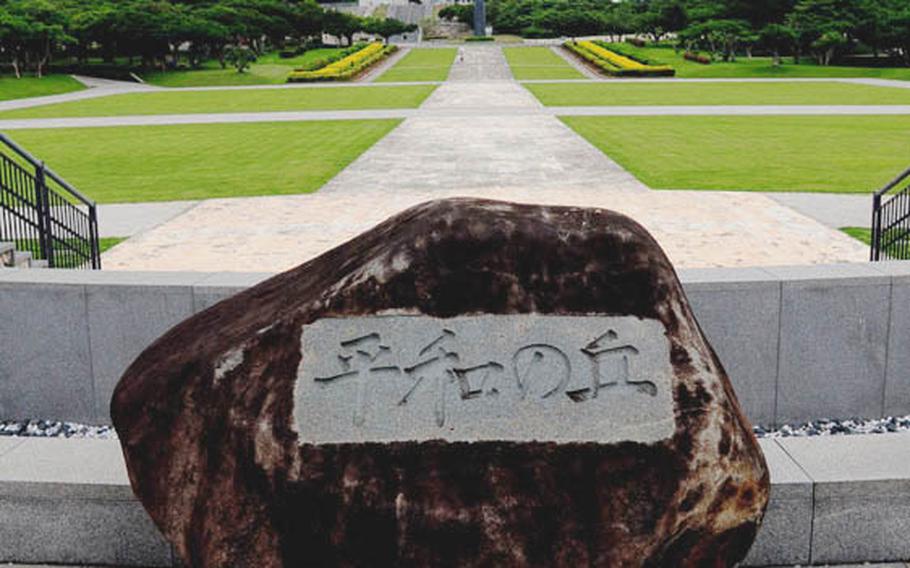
(93, 228)
(45, 236)
(874, 250)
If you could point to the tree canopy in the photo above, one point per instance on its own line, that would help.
(823, 29)
(156, 33)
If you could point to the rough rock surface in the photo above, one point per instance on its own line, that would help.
(205, 415)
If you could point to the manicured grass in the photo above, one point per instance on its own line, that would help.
(898, 250)
(758, 66)
(764, 153)
(528, 63)
(683, 94)
(12, 88)
(107, 243)
(269, 69)
(859, 233)
(421, 64)
(165, 163)
(253, 100)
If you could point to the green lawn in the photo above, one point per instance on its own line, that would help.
(107, 243)
(528, 63)
(421, 64)
(758, 66)
(859, 233)
(163, 163)
(252, 100)
(762, 153)
(268, 69)
(682, 94)
(12, 88)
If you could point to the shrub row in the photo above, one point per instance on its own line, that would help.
(345, 68)
(479, 38)
(614, 64)
(697, 57)
(620, 50)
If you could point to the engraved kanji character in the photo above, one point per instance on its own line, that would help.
(360, 361)
(610, 367)
(541, 364)
(437, 366)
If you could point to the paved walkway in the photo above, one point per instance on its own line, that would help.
(128, 219)
(481, 63)
(831, 209)
(270, 234)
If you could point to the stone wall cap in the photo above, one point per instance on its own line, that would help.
(844, 274)
(853, 458)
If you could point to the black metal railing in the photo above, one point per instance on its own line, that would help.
(891, 220)
(43, 214)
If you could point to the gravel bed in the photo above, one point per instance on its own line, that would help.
(54, 429)
(838, 427)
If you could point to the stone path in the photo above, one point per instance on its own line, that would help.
(268, 234)
(128, 219)
(831, 209)
(481, 63)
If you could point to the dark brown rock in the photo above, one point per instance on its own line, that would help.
(205, 415)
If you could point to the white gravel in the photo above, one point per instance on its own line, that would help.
(55, 429)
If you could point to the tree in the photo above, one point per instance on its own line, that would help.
(240, 56)
(821, 26)
(719, 37)
(574, 22)
(342, 25)
(778, 38)
(386, 27)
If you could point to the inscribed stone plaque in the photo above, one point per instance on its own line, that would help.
(487, 377)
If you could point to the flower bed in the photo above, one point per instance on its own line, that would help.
(615, 64)
(344, 68)
(619, 49)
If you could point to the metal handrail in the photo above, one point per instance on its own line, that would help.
(57, 224)
(894, 183)
(879, 249)
(24, 154)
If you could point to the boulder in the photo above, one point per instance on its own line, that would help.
(469, 383)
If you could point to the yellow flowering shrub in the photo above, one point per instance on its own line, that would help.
(347, 67)
(616, 64)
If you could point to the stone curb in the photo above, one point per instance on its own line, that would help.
(834, 499)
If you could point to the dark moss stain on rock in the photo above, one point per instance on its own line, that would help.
(218, 466)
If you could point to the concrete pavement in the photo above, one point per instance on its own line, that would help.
(831, 209)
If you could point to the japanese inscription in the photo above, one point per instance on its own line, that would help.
(487, 377)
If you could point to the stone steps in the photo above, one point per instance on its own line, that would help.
(834, 499)
(12, 258)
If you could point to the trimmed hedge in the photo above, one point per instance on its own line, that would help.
(620, 50)
(479, 38)
(614, 64)
(347, 67)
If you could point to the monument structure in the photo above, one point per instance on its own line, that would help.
(480, 18)
(470, 383)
